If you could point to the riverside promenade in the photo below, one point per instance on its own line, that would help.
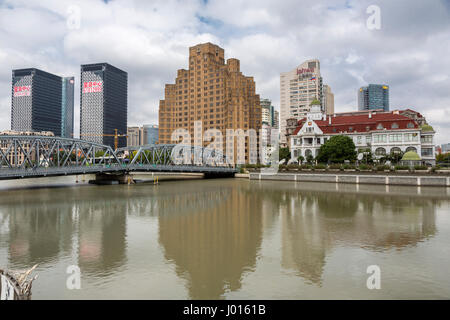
(382, 178)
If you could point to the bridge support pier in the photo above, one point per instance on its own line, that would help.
(112, 178)
(215, 175)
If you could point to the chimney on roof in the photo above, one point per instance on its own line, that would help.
(329, 120)
(370, 115)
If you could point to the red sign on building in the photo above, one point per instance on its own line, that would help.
(92, 86)
(21, 91)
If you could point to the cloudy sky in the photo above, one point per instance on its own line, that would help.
(150, 39)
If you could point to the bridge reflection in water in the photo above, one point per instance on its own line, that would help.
(219, 235)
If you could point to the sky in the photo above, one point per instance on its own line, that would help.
(408, 47)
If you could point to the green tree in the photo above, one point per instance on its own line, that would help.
(443, 157)
(337, 149)
(285, 154)
(300, 159)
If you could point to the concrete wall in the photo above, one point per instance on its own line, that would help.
(357, 179)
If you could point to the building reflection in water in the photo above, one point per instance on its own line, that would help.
(212, 230)
(46, 224)
(212, 248)
(313, 223)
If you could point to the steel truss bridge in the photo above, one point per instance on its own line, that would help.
(41, 156)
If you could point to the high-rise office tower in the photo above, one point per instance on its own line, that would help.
(328, 100)
(104, 103)
(267, 112)
(276, 119)
(374, 96)
(152, 133)
(213, 92)
(298, 88)
(67, 113)
(36, 102)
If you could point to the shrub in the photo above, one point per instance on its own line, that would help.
(435, 168)
(292, 166)
(242, 170)
(420, 167)
(282, 167)
(400, 167)
(382, 167)
(335, 166)
(348, 167)
(320, 166)
(364, 167)
(306, 166)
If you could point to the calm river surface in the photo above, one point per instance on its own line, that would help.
(228, 239)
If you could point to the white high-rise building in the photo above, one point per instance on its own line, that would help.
(298, 88)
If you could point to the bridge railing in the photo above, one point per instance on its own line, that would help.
(32, 152)
(171, 154)
(31, 155)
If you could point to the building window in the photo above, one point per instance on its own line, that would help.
(411, 149)
(426, 139)
(380, 152)
(410, 125)
(380, 126)
(308, 153)
(394, 125)
(427, 152)
(380, 138)
(395, 138)
(411, 137)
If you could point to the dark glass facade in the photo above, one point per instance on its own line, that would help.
(374, 96)
(67, 109)
(104, 103)
(36, 101)
(152, 134)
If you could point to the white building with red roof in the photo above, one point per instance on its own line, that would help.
(381, 132)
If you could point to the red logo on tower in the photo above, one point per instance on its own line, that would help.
(22, 91)
(92, 86)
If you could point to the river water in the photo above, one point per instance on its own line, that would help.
(227, 239)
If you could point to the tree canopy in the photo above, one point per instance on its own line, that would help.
(284, 154)
(337, 149)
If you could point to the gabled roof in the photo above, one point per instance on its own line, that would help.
(361, 123)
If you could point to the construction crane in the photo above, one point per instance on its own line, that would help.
(115, 135)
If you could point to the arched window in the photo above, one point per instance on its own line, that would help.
(394, 125)
(380, 151)
(380, 126)
(396, 150)
(410, 125)
(411, 149)
(308, 152)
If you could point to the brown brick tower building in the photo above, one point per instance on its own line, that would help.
(213, 92)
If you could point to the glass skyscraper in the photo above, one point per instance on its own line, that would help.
(152, 133)
(374, 96)
(36, 102)
(67, 113)
(104, 103)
